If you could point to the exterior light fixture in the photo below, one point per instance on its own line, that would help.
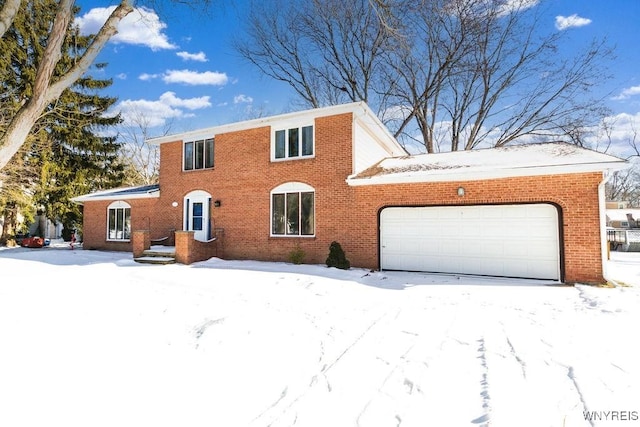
(174, 204)
(217, 203)
(461, 191)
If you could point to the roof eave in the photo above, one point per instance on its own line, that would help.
(459, 175)
(359, 108)
(97, 197)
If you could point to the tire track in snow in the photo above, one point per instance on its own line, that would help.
(323, 371)
(515, 355)
(484, 385)
(572, 378)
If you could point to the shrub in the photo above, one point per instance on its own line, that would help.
(337, 258)
(297, 255)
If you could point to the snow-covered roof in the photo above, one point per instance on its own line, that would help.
(517, 160)
(138, 192)
(621, 214)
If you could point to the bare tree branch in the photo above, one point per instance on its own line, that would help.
(46, 91)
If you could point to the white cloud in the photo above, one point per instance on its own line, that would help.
(199, 57)
(627, 93)
(147, 77)
(157, 112)
(622, 131)
(141, 27)
(242, 99)
(512, 6)
(194, 78)
(122, 76)
(564, 22)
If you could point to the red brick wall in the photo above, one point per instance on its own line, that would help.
(244, 176)
(94, 230)
(575, 194)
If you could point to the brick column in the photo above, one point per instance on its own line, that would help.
(140, 242)
(184, 246)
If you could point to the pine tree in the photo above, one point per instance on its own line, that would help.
(72, 153)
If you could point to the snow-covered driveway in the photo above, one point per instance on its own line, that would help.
(93, 339)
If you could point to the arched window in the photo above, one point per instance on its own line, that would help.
(119, 221)
(293, 210)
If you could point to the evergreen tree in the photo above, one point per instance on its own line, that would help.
(70, 149)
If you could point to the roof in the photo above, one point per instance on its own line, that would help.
(517, 160)
(360, 109)
(621, 214)
(138, 192)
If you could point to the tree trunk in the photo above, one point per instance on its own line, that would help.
(7, 14)
(44, 91)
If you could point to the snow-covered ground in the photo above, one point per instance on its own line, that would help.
(91, 338)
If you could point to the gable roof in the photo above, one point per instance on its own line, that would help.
(138, 192)
(359, 109)
(517, 160)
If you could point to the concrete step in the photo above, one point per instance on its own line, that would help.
(159, 253)
(160, 260)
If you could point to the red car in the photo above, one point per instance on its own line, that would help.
(32, 242)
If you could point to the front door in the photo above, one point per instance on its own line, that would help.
(197, 218)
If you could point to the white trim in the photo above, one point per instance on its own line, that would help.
(460, 174)
(200, 196)
(204, 154)
(359, 109)
(109, 195)
(120, 204)
(604, 241)
(285, 127)
(292, 187)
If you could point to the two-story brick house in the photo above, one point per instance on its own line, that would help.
(261, 188)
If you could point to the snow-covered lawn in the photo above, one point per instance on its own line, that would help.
(91, 338)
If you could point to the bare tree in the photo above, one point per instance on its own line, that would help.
(444, 74)
(143, 158)
(328, 51)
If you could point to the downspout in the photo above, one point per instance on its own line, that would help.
(604, 242)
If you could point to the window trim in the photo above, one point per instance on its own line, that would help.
(287, 128)
(194, 157)
(289, 188)
(117, 205)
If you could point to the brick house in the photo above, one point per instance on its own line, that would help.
(261, 188)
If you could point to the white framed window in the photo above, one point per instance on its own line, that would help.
(293, 210)
(119, 221)
(293, 142)
(198, 154)
(624, 224)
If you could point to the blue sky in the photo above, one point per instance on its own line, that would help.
(177, 65)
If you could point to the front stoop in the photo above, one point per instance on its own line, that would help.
(165, 255)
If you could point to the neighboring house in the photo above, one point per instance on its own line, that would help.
(260, 189)
(623, 218)
(45, 228)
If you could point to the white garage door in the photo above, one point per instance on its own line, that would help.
(493, 240)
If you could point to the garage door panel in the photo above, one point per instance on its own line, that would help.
(505, 240)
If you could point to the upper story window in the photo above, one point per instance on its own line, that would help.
(198, 154)
(293, 143)
(119, 221)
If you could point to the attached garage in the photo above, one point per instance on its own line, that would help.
(514, 240)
